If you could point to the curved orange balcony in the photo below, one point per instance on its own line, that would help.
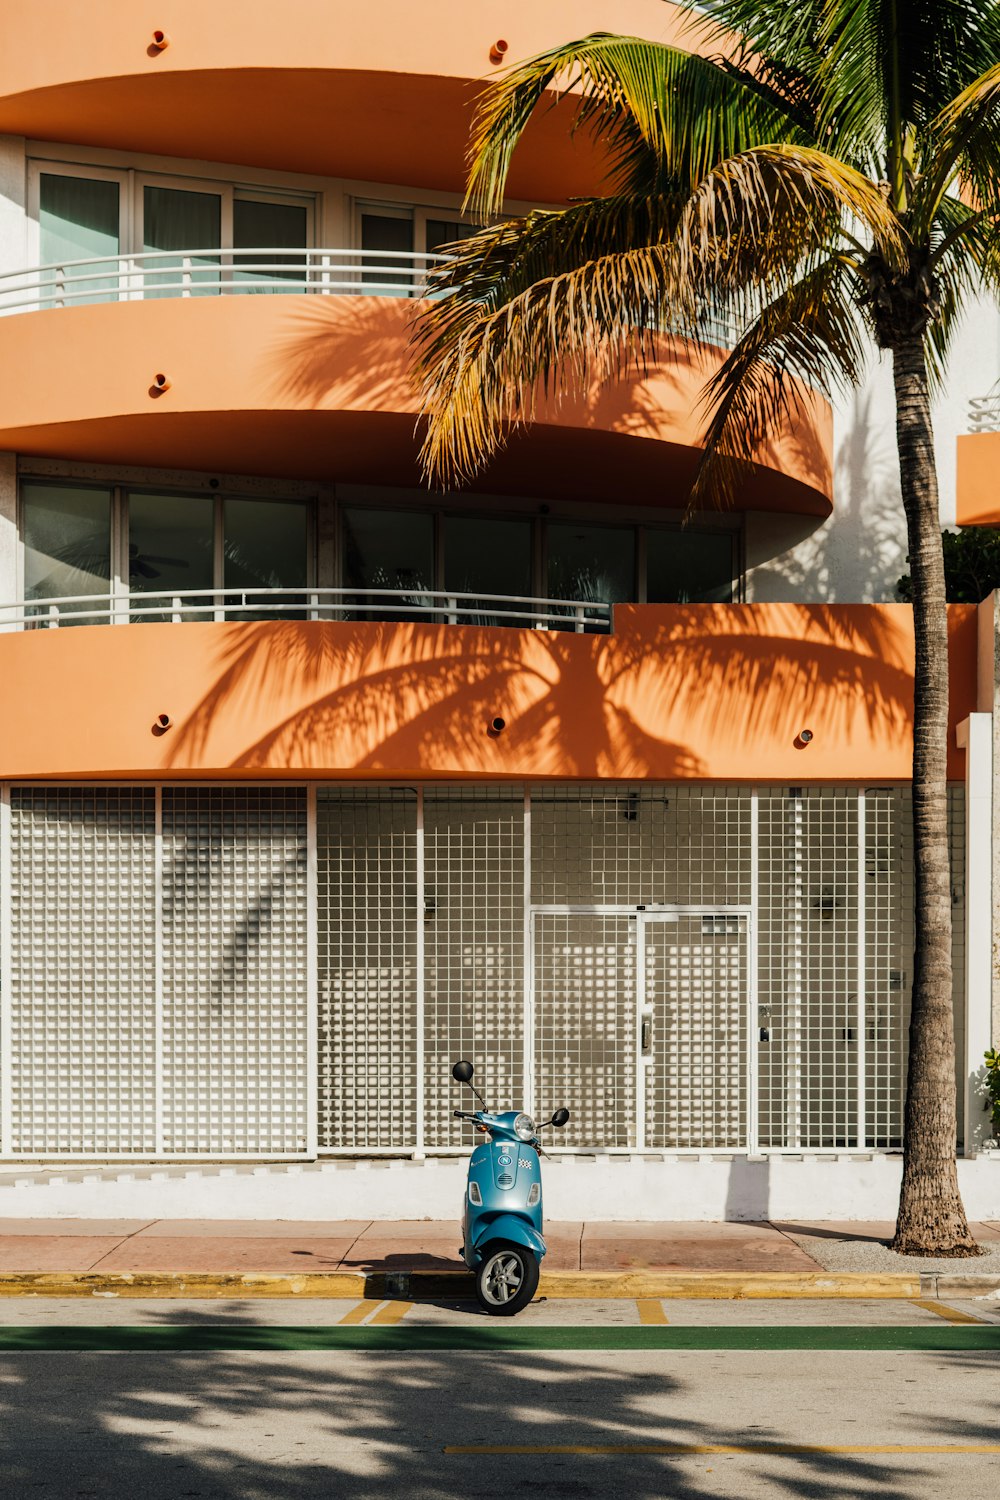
(379, 92)
(309, 386)
(978, 459)
(676, 692)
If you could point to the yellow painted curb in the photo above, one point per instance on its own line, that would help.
(602, 1285)
(347, 1284)
(414, 1285)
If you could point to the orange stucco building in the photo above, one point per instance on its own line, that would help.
(313, 779)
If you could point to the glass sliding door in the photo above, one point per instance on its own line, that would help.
(387, 230)
(689, 567)
(178, 221)
(267, 547)
(66, 531)
(485, 556)
(441, 232)
(387, 549)
(591, 564)
(273, 228)
(79, 218)
(171, 551)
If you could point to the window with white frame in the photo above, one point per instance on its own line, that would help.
(159, 235)
(198, 551)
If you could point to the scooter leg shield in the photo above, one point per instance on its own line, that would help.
(511, 1228)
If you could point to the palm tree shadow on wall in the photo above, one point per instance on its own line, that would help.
(190, 920)
(347, 352)
(365, 697)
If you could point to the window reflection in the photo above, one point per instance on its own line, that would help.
(391, 233)
(267, 547)
(170, 550)
(387, 549)
(591, 564)
(67, 546)
(176, 219)
(259, 225)
(689, 567)
(485, 556)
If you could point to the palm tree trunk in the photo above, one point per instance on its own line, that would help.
(931, 1217)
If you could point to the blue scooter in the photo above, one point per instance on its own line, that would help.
(502, 1219)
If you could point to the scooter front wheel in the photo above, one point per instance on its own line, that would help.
(506, 1278)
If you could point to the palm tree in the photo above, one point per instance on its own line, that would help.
(825, 173)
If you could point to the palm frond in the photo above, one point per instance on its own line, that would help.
(966, 265)
(535, 306)
(529, 307)
(964, 141)
(756, 216)
(686, 112)
(890, 66)
(813, 335)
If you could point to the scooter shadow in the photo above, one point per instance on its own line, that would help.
(466, 1305)
(410, 1262)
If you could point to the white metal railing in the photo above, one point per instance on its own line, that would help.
(213, 271)
(436, 606)
(984, 413)
(210, 271)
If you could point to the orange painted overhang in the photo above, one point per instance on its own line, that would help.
(699, 692)
(303, 386)
(978, 486)
(380, 92)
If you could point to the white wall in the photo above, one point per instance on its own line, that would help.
(857, 555)
(622, 1189)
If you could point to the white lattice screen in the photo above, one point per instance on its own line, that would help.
(695, 990)
(82, 1011)
(367, 947)
(808, 967)
(474, 946)
(235, 991)
(584, 1025)
(603, 947)
(647, 844)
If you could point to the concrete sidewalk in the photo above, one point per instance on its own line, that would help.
(265, 1247)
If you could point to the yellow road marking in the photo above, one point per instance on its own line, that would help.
(651, 1311)
(359, 1314)
(950, 1314)
(392, 1312)
(680, 1450)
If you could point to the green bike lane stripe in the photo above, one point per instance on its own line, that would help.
(179, 1338)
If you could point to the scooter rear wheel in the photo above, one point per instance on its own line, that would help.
(506, 1278)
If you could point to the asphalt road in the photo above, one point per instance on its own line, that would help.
(791, 1416)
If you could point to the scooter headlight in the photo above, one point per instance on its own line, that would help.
(524, 1128)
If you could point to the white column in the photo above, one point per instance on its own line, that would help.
(9, 591)
(975, 737)
(6, 978)
(14, 227)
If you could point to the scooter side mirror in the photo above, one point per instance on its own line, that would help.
(560, 1118)
(462, 1072)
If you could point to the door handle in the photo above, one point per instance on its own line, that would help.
(647, 1035)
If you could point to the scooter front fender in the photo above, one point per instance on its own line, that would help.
(511, 1227)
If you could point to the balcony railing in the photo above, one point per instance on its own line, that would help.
(212, 272)
(984, 413)
(430, 607)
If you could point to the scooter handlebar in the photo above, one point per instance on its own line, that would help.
(460, 1114)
